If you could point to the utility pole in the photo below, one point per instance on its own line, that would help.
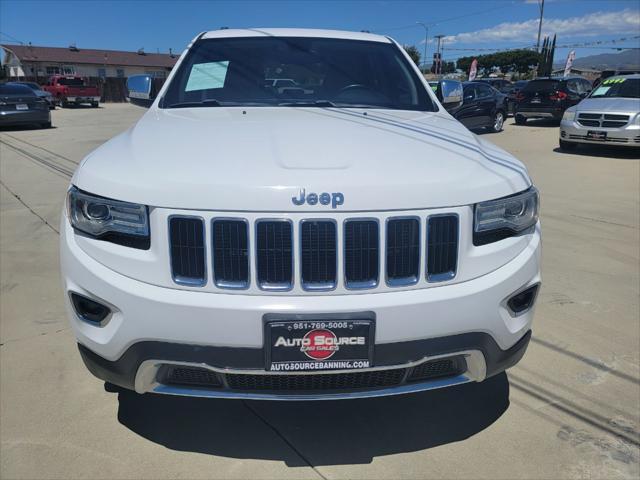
(438, 57)
(426, 39)
(541, 7)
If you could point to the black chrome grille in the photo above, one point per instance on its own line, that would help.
(264, 254)
(322, 381)
(318, 251)
(361, 251)
(231, 253)
(275, 254)
(186, 241)
(605, 120)
(445, 367)
(442, 247)
(403, 251)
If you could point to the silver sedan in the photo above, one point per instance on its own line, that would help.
(609, 115)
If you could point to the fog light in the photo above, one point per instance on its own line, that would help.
(89, 309)
(523, 301)
(563, 134)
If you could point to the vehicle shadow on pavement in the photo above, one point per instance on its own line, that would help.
(603, 151)
(316, 433)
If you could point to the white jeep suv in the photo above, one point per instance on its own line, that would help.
(345, 239)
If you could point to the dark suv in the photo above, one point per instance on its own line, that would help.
(549, 97)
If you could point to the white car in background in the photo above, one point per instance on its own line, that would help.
(609, 115)
(353, 242)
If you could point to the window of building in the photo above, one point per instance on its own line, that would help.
(68, 70)
(53, 70)
(102, 72)
(120, 72)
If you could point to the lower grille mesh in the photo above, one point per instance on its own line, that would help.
(438, 368)
(335, 381)
(191, 376)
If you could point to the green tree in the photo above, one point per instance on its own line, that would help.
(520, 61)
(448, 67)
(413, 53)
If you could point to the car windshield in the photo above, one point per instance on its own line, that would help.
(291, 71)
(8, 89)
(71, 81)
(618, 88)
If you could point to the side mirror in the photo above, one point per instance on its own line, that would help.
(140, 90)
(450, 93)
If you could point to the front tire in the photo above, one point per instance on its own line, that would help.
(498, 122)
(564, 145)
(94, 104)
(46, 125)
(520, 120)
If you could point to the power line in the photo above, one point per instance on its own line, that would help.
(12, 38)
(444, 20)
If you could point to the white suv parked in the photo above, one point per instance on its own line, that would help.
(345, 239)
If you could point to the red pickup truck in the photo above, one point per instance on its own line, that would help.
(72, 90)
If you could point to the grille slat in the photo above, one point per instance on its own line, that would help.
(274, 248)
(186, 237)
(231, 253)
(403, 251)
(442, 247)
(361, 250)
(318, 254)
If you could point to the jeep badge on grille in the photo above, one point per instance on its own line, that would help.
(335, 199)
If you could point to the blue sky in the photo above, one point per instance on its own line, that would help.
(471, 26)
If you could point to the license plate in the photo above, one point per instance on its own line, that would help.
(536, 100)
(312, 345)
(595, 135)
(22, 106)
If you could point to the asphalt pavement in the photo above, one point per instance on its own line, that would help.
(570, 409)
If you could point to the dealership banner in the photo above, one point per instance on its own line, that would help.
(473, 71)
(570, 58)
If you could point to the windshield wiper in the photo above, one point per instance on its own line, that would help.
(211, 102)
(308, 103)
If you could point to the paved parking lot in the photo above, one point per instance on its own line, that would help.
(570, 409)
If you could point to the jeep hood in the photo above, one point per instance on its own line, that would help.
(258, 158)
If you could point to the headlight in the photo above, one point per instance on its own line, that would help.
(569, 115)
(110, 220)
(505, 217)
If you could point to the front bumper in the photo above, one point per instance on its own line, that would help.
(24, 117)
(628, 136)
(152, 325)
(82, 99)
(540, 112)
